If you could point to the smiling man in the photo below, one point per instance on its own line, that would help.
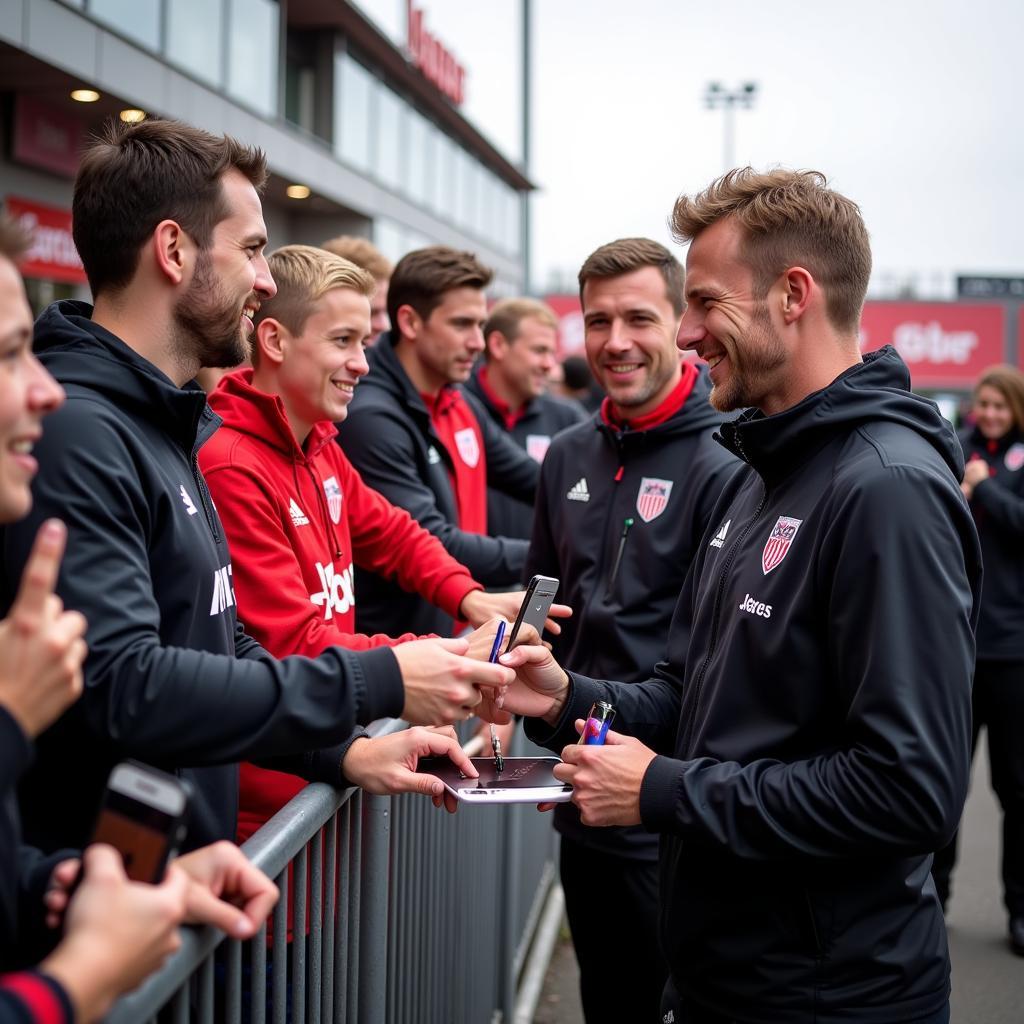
(299, 517)
(169, 225)
(803, 745)
(415, 436)
(623, 502)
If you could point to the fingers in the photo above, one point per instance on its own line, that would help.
(457, 645)
(437, 744)
(101, 862)
(39, 578)
(546, 807)
(202, 907)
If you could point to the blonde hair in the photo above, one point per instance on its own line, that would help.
(789, 219)
(362, 252)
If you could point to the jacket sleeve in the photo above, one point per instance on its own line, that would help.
(1001, 505)
(30, 997)
(898, 612)
(381, 446)
(170, 704)
(387, 541)
(509, 469)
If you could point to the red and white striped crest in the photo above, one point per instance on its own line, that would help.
(652, 498)
(469, 450)
(777, 547)
(333, 492)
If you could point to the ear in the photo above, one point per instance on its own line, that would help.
(409, 322)
(798, 288)
(173, 251)
(497, 345)
(271, 338)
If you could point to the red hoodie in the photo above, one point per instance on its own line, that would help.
(297, 518)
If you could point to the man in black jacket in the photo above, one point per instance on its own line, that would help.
(511, 384)
(623, 502)
(168, 222)
(804, 745)
(415, 436)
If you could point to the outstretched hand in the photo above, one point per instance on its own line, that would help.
(387, 764)
(478, 606)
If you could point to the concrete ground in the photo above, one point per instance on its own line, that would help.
(988, 980)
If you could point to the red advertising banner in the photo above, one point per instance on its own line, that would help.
(46, 136)
(945, 344)
(53, 255)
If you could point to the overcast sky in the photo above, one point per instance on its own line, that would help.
(911, 107)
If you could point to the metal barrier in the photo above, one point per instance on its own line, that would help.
(415, 916)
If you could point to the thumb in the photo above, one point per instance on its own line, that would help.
(428, 785)
(39, 577)
(205, 908)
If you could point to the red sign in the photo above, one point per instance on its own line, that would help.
(46, 137)
(945, 344)
(438, 66)
(53, 255)
(570, 323)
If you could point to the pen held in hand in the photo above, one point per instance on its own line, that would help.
(499, 761)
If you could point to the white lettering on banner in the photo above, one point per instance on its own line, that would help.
(223, 592)
(338, 593)
(49, 244)
(928, 343)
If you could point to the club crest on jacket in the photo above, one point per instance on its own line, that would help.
(333, 491)
(777, 546)
(652, 498)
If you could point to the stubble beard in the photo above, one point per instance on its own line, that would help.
(749, 381)
(209, 324)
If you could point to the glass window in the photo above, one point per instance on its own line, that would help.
(353, 112)
(389, 138)
(387, 236)
(513, 219)
(431, 159)
(446, 185)
(465, 209)
(194, 37)
(414, 157)
(137, 19)
(253, 53)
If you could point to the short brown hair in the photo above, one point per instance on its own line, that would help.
(362, 252)
(506, 316)
(789, 218)
(303, 274)
(132, 176)
(1009, 382)
(15, 241)
(629, 254)
(421, 278)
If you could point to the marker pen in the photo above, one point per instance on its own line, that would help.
(595, 729)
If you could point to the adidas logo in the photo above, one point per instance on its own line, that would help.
(299, 518)
(186, 498)
(578, 491)
(719, 538)
(433, 457)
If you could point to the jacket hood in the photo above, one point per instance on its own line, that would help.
(387, 373)
(876, 389)
(79, 352)
(261, 415)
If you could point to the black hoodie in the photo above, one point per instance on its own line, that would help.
(389, 438)
(171, 677)
(623, 581)
(813, 713)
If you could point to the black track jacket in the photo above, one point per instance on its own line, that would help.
(389, 438)
(171, 678)
(813, 714)
(623, 582)
(997, 505)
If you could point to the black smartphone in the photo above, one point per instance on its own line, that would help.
(143, 818)
(534, 609)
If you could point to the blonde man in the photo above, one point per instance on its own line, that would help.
(299, 517)
(363, 253)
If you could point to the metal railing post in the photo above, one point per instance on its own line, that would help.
(373, 923)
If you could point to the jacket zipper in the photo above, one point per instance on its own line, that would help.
(715, 617)
(626, 525)
(200, 483)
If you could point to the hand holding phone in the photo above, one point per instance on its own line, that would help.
(534, 609)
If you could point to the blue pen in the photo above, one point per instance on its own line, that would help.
(499, 761)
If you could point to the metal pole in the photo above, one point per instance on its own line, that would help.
(525, 231)
(728, 133)
(373, 920)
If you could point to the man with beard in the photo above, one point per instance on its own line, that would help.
(168, 222)
(805, 744)
(623, 502)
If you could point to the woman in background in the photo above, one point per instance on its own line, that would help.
(994, 486)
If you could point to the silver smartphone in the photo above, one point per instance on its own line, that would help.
(522, 780)
(540, 592)
(143, 818)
